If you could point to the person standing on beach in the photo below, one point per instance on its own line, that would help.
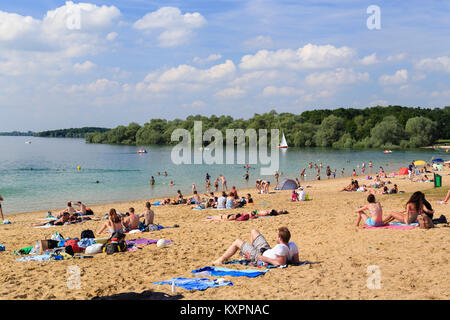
(216, 185)
(1, 210)
(246, 176)
(342, 171)
(328, 171)
(276, 175)
(224, 183)
(370, 167)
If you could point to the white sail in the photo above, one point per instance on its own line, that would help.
(283, 143)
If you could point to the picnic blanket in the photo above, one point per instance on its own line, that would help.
(220, 271)
(396, 226)
(196, 284)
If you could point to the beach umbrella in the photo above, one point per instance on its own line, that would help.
(420, 163)
(288, 184)
(438, 160)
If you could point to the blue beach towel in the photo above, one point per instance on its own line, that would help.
(402, 224)
(195, 284)
(219, 271)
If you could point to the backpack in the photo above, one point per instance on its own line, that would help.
(87, 234)
(424, 221)
(114, 247)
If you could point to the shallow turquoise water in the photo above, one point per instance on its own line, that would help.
(124, 175)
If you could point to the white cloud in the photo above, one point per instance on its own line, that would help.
(111, 36)
(235, 92)
(210, 58)
(259, 42)
(177, 27)
(308, 57)
(96, 87)
(440, 64)
(396, 57)
(83, 67)
(368, 60)
(282, 91)
(401, 76)
(336, 77)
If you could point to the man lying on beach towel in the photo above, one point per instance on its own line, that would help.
(259, 250)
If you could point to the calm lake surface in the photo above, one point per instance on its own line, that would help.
(124, 175)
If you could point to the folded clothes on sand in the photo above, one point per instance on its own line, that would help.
(219, 271)
(196, 284)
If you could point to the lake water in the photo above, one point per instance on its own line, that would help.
(124, 175)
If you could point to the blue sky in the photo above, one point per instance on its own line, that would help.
(105, 63)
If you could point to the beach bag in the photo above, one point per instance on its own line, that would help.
(114, 247)
(87, 234)
(73, 244)
(89, 212)
(424, 221)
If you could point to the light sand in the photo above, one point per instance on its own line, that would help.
(414, 263)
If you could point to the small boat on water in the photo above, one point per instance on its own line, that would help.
(142, 150)
(28, 142)
(387, 151)
(283, 144)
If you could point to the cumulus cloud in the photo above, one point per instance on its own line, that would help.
(368, 60)
(337, 77)
(177, 28)
(259, 42)
(83, 67)
(399, 77)
(235, 92)
(282, 91)
(308, 57)
(210, 58)
(439, 64)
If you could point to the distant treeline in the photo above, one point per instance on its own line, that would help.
(17, 133)
(375, 127)
(70, 133)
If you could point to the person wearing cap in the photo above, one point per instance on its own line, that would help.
(301, 194)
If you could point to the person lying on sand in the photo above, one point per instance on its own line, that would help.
(59, 222)
(413, 208)
(259, 250)
(114, 223)
(375, 216)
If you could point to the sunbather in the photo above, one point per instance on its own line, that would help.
(148, 215)
(65, 218)
(131, 222)
(69, 209)
(375, 216)
(259, 250)
(114, 223)
(413, 208)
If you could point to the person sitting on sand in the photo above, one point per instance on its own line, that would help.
(353, 186)
(301, 194)
(195, 199)
(114, 223)
(234, 190)
(148, 215)
(258, 250)
(69, 209)
(131, 222)
(221, 201)
(413, 208)
(394, 190)
(375, 216)
(230, 203)
(82, 210)
(249, 199)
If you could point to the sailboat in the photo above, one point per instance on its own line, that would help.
(283, 143)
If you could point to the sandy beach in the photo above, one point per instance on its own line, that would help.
(413, 263)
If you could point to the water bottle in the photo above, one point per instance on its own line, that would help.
(173, 286)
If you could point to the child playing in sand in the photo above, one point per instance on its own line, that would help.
(375, 216)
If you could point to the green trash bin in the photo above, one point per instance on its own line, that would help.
(437, 180)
